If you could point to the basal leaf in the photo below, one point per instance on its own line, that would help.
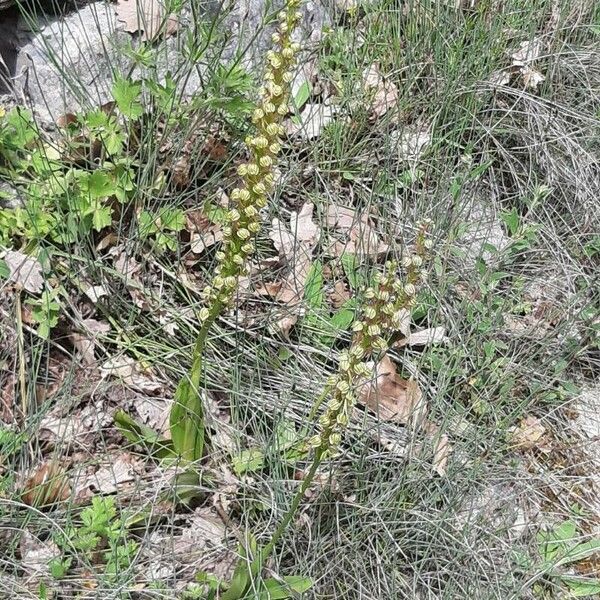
(187, 421)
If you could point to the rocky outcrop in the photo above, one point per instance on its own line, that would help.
(66, 63)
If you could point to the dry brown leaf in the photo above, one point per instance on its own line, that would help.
(390, 396)
(303, 227)
(310, 122)
(285, 324)
(383, 92)
(154, 412)
(85, 342)
(440, 455)
(433, 335)
(109, 479)
(126, 369)
(199, 242)
(270, 288)
(362, 239)
(25, 271)
(340, 294)
(297, 246)
(529, 434)
(47, 485)
(282, 239)
(95, 292)
(145, 16)
(36, 554)
(7, 400)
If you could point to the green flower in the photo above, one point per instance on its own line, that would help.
(380, 319)
(243, 220)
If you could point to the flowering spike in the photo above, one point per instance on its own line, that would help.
(257, 174)
(385, 307)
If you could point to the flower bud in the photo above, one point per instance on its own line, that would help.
(373, 330)
(409, 289)
(266, 162)
(370, 312)
(259, 188)
(203, 314)
(335, 439)
(243, 234)
(253, 169)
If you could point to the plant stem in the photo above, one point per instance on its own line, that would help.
(264, 554)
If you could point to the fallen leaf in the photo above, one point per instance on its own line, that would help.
(383, 93)
(529, 434)
(36, 554)
(282, 238)
(532, 77)
(303, 227)
(109, 479)
(124, 264)
(47, 485)
(85, 341)
(310, 122)
(126, 369)
(297, 245)
(154, 412)
(145, 16)
(522, 62)
(199, 242)
(95, 292)
(440, 455)
(360, 235)
(528, 51)
(411, 142)
(390, 396)
(285, 324)
(25, 271)
(434, 335)
(340, 294)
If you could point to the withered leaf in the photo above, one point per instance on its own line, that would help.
(47, 485)
(390, 396)
(25, 271)
(145, 16)
(383, 93)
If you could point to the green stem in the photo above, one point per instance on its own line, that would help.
(264, 554)
(199, 346)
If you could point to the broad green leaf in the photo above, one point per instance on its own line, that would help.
(313, 288)
(4, 270)
(274, 590)
(244, 573)
(187, 421)
(98, 184)
(580, 552)
(302, 95)
(102, 217)
(351, 266)
(512, 220)
(248, 461)
(582, 588)
(343, 318)
(143, 435)
(127, 96)
(172, 219)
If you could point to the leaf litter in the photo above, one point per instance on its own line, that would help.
(397, 400)
(145, 17)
